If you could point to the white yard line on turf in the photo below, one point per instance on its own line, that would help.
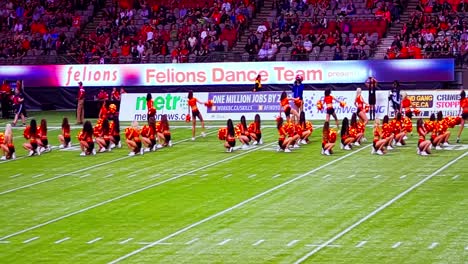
(397, 244)
(382, 207)
(224, 242)
(258, 242)
(361, 244)
(433, 245)
(292, 243)
(94, 240)
(125, 241)
(185, 229)
(191, 241)
(80, 170)
(61, 240)
(133, 192)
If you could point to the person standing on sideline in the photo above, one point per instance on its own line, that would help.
(298, 91)
(395, 97)
(18, 104)
(371, 84)
(5, 93)
(80, 104)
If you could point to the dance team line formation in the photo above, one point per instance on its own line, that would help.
(293, 129)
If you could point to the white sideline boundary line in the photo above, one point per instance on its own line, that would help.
(376, 211)
(253, 198)
(132, 192)
(80, 170)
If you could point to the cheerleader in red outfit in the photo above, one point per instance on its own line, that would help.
(43, 140)
(284, 102)
(242, 133)
(463, 113)
(387, 133)
(328, 139)
(306, 128)
(378, 144)
(148, 135)
(150, 106)
(283, 141)
(230, 137)
(328, 99)
(64, 137)
(6, 144)
(133, 139)
(164, 132)
(361, 106)
(86, 139)
(115, 132)
(398, 130)
(31, 133)
(103, 136)
(424, 146)
(347, 139)
(441, 132)
(255, 131)
(406, 105)
(355, 130)
(192, 103)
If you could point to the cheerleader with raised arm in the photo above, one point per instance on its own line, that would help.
(230, 137)
(255, 131)
(132, 134)
(242, 133)
(463, 113)
(286, 107)
(86, 139)
(192, 103)
(328, 139)
(64, 137)
(346, 139)
(424, 146)
(31, 133)
(361, 106)
(379, 142)
(306, 128)
(6, 144)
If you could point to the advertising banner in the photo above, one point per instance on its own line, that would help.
(230, 73)
(235, 104)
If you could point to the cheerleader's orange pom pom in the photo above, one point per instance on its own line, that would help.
(209, 103)
(187, 118)
(222, 133)
(112, 108)
(298, 102)
(319, 105)
(416, 111)
(332, 136)
(458, 120)
(342, 103)
(366, 108)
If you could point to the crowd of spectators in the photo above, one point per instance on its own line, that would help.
(435, 30)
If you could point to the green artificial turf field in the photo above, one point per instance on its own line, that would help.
(195, 203)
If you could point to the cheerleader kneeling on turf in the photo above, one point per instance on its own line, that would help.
(6, 144)
(103, 136)
(64, 137)
(43, 139)
(328, 139)
(424, 146)
(242, 133)
(378, 144)
(346, 139)
(164, 132)
(283, 141)
(255, 131)
(387, 133)
(133, 139)
(306, 127)
(148, 135)
(31, 133)
(229, 136)
(115, 132)
(86, 140)
(356, 130)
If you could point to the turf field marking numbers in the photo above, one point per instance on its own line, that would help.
(62, 240)
(191, 241)
(403, 176)
(38, 175)
(258, 242)
(78, 171)
(292, 243)
(351, 176)
(455, 177)
(224, 242)
(397, 244)
(433, 245)
(94, 240)
(253, 175)
(109, 175)
(227, 176)
(16, 175)
(253, 198)
(377, 176)
(277, 175)
(326, 176)
(30, 240)
(125, 241)
(136, 191)
(84, 176)
(360, 244)
(380, 208)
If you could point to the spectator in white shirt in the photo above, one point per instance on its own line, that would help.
(263, 53)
